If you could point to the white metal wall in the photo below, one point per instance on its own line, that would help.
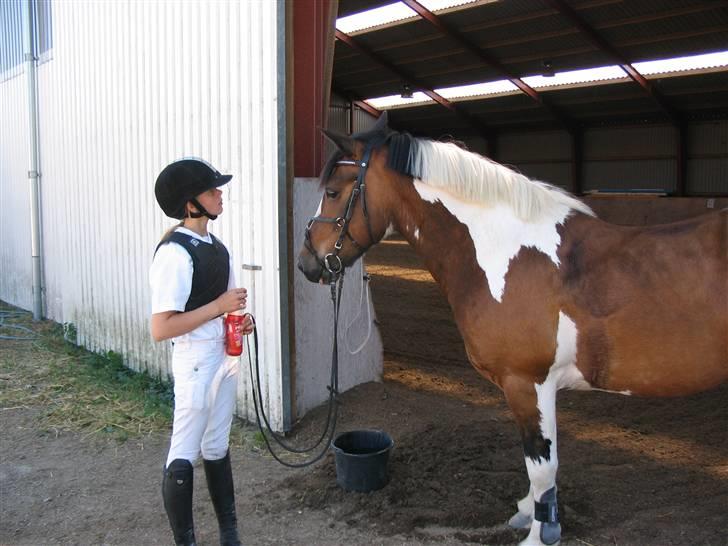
(131, 87)
(15, 263)
(708, 158)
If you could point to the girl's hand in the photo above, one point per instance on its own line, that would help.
(247, 327)
(232, 300)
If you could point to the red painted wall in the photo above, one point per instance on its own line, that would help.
(312, 56)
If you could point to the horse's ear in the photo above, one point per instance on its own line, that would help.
(342, 142)
(381, 124)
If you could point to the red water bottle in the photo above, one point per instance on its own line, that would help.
(234, 333)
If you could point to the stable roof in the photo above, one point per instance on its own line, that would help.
(488, 40)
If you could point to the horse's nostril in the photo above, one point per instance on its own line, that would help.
(300, 265)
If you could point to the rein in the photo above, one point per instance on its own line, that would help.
(333, 387)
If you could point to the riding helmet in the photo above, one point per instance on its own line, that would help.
(181, 181)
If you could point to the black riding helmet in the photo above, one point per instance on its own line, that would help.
(181, 181)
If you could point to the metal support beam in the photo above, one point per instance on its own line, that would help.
(577, 161)
(415, 82)
(489, 60)
(368, 108)
(355, 100)
(595, 38)
(493, 147)
(682, 159)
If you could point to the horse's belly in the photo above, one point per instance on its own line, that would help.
(668, 370)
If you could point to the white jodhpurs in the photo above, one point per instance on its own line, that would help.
(205, 385)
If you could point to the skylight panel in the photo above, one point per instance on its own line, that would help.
(681, 64)
(382, 103)
(394, 13)
(712, 62)
(477, 89)
(572, 77)
(374, 18)
(439, 5)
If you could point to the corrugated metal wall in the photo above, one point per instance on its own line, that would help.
(544, 155)
(708, 158)
(132, 86)
(15, 262)
(630, 158)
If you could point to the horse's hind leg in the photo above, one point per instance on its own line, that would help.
(534, 407)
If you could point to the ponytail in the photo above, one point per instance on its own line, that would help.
(169, 232)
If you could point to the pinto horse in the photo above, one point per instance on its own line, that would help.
(545, 295)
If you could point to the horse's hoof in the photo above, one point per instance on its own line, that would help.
(550, 533)
(531, 542)
(520, 521)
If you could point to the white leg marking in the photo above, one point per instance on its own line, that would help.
(562, 374)
(390, 230)
(542, 473)
(498, 234)
(524, 517)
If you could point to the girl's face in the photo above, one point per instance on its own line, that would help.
(211, 200)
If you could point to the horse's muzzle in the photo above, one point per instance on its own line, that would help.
(312, 268)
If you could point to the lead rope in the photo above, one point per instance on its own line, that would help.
(365, 277)
(333, 387)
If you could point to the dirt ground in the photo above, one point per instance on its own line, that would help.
(632, 471)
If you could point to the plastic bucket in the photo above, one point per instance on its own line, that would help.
(361, 459)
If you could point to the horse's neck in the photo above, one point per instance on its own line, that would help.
(457, 238)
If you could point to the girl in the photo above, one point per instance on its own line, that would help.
(192, 285)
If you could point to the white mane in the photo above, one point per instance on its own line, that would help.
(478, 179)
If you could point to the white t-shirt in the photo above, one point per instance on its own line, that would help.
(171, 280)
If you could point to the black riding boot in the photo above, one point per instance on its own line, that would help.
(220, 483)
(177, 494)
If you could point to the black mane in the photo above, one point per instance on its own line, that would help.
(399, 157)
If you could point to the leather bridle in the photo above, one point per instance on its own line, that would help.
(331, 261)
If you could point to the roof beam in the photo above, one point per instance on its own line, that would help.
(356, 100)
(348, 40)
(596, 39)
(368, 108)
(415, 82)
(489, 60)
(447, 30)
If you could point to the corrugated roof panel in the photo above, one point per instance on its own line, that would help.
(395, 14)
(522, 34)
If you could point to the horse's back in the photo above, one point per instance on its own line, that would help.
(651, 303)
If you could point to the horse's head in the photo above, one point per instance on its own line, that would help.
(353, 214)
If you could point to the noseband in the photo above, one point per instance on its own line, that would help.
(332, 261)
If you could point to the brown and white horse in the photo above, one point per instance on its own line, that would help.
(545, 295)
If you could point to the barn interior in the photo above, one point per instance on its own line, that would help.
(575, 91)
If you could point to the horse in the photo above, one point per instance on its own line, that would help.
(545, 295)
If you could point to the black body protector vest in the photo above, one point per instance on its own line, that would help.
(210, 268)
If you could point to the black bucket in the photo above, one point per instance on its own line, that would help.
(361, 459)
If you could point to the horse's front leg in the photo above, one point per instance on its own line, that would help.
(534, 407)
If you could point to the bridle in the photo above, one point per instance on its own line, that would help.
(332, 262)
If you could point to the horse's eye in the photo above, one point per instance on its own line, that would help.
(332, 194)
